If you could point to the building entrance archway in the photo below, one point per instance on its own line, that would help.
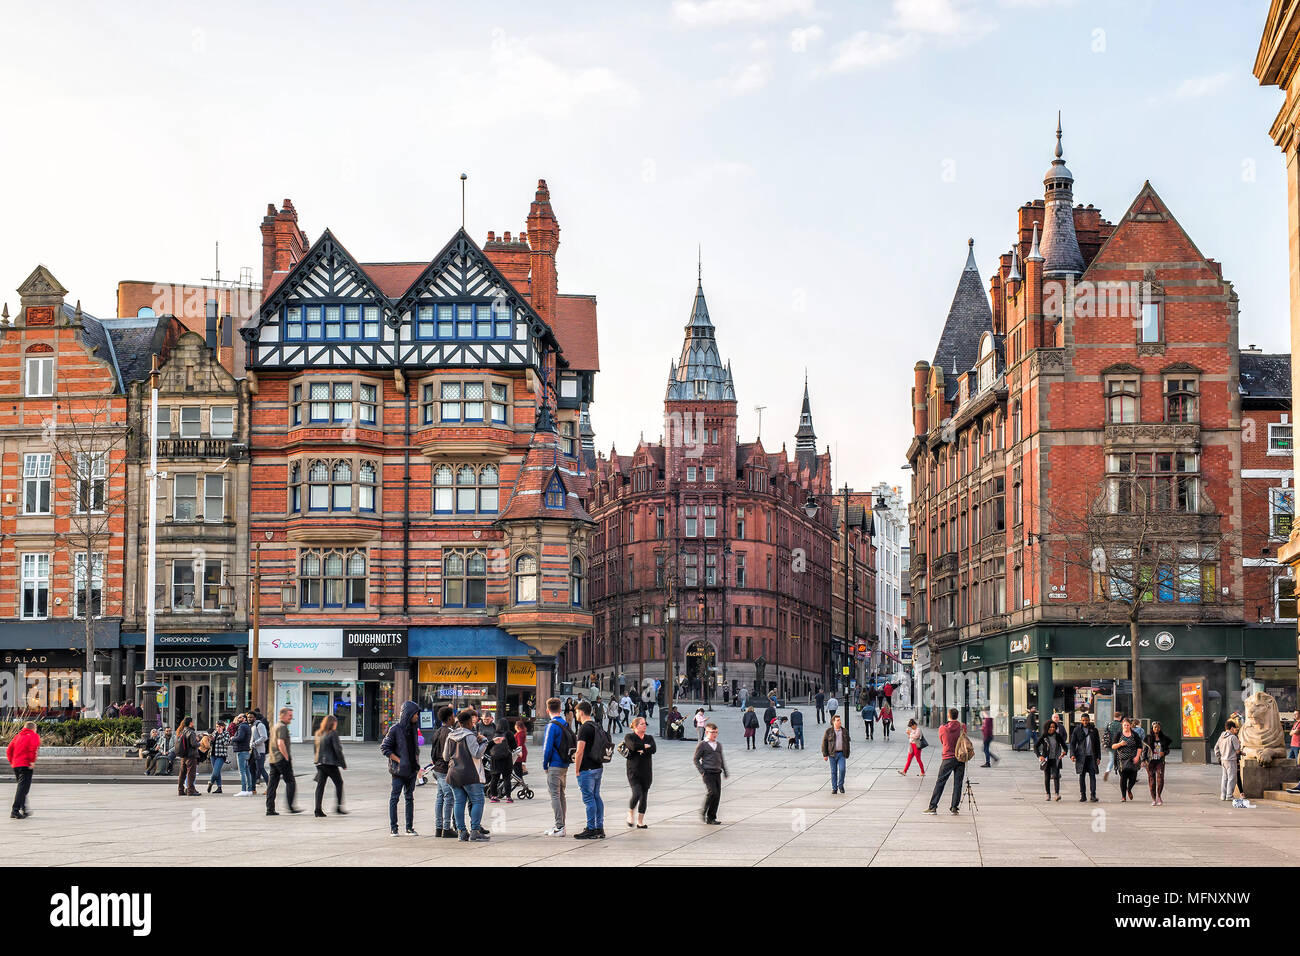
(701, 666)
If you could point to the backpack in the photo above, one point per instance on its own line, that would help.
(964, 750)
(602, 745)
(183, 746)
(567, 743)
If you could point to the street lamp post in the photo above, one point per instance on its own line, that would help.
(149, 688)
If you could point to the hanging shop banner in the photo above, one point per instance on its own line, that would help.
(453, 671)
(521, 673)
(374, 670)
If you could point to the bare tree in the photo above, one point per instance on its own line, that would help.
(1151, 544)
(83, 437)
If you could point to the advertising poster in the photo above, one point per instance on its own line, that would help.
(1192, 706)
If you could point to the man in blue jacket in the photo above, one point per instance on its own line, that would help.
(556, 747)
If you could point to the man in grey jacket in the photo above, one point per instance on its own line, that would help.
(709, 762)
(464, 756)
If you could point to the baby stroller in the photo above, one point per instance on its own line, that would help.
(518, 787)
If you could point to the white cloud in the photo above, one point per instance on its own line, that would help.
(1192, 88)
(803, 37)
(955, 19)
(712, 13)
(748, 79)
(865, 50)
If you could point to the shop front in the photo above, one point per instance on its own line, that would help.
(42, 668)
(201, 674)
(1067, 670)
(318, 671)
(480, 667)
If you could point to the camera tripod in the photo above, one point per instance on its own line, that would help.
(970, 794)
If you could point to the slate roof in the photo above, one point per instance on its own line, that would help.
(969, 317)
(528, 496)
(575, 327)
(94, 336)
(1265, 376)
(135, 342)
(700, 375)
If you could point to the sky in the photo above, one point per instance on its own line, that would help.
(826, 161)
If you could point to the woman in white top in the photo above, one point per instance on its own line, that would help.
(913, 748)
(700, 721)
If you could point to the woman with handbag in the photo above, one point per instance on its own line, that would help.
(915, 744)
(638, 747)
(1051, 754)
(750, 722)
(886, 719)
(1127, 748)
(329, 761)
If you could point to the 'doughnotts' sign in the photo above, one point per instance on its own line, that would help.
(389, 642)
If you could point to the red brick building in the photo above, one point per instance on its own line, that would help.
(736, 538)
(417, 489)
(62, 489)
(1092, 386)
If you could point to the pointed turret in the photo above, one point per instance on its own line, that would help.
(969, 317)
(699, 373)
(1060, 247)
(805, 439)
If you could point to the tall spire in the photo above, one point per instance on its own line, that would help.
(699, 374)
(1060, 244)
(805, 439)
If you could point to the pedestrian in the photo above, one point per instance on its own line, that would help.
(611, 716)
(1031, 731)
(750, 722)
(1051, 754)
(835, 750)
(220, 751)
(915, 744)
(589, 764)
(281, 761)
(444, 803)
(111, 712)
(953, 763)
(778, 731)
(1111, 731)
(986, 731)
(820, 700)
(187, 750)
(521, 748)
(464, 754)
(329, 763)
(638, 748)
(1127, 747)
(700, 721)
(1294, 750)
(1228, 753)
(501, 759)
(569, 717)
(1085, 751)
(1155, 750)
(167, 752)
(401, 746)
(889, 696)
(557, 744)
(832, 706)
(869, 719)
(239, 745)
(712, 766)
(21, 754)
(796, 727)
(625, 707)
(886, 719)
(261, 739)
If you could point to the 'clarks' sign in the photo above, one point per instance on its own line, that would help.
(374, 642)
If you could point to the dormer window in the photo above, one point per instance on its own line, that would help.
(555, 493)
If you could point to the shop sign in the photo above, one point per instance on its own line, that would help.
(451, 693)
(1164, 641)
(390, 642)
(375, 670)
(301, 642)
(43, 659)
(314, 671)
(190, 663)
(521, 673)
(453, 671)
(1022, 645)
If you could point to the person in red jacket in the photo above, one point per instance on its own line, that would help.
(21, 754)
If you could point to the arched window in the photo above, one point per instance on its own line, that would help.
(442, 489)
(329, 579)
(366, 491)
(487, 495)
(295, 487)
(465, 489)
(464, 579)
(555, 493)
(1015, 421)
(575, 582)
(341, 494)
(318, 488)
(526, 579)
(309, 586)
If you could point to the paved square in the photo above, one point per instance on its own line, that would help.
(777, 807)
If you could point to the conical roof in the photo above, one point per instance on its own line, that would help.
(805, 437)
(699, 374)
(969, 317)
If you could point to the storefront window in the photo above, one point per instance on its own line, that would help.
(999, 699)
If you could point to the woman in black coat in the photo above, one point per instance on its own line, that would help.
(638, 747)
(329, 763)
(1051, 754)
(1155, 751)
(1128, 756)
(501, 760)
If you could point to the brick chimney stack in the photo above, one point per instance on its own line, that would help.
(920, 403)
(543, 241)
(283, 244)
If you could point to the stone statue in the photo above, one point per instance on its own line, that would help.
(1261, 735)
(760, 670)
